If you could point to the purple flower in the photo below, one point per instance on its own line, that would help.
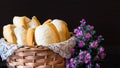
(73, 66)
(83, 21)
(87, 58)
(81, 43)
(76, 30)
(79, 27)
(87, 35)
(84, 56)
(94, 44)
(97, 65)
(71, 60)
(101, 49)
(79, 33)
(89, 65)
(68, 66)
(75, 61)
(81, 56)
(90, 27)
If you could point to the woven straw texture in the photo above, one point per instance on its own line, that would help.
(35, 57)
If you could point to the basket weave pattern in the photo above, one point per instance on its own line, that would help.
(35, 57)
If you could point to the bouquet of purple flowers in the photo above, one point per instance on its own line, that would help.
(88, 53)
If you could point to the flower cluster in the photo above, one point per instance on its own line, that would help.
(88, 53)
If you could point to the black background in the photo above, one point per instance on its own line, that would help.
(103, 15)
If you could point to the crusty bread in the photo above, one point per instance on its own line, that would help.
(21, 34)
(27, 19)
(62, 29)
(54, 28)
(67, 34)
(30, 37)
(21, 21)
(28, 31)
(8, 33)
(34, 22)
(47, 21)
(46, 34)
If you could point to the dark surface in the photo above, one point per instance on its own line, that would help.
(104, 15)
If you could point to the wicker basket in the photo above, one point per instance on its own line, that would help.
(35, 57)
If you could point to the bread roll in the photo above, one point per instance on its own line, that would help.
(30, 37)
(27, 19)
(68, 34)
(47, 21)
(46, 34)
(62, 29)
(21, 21)
(8, 33)
(21, 35)
(34, 22)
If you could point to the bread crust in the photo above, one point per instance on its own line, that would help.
(34, 22)
(21, 34)
(47, 21)
(20, 22)
(30, 37)
(46, 34)
(8, 33)
(62, 29)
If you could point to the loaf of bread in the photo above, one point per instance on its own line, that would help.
(30, 37)
(62, 29)
(34, 22)
(21, 21)
(21, 35)
(46, 34)
(8, 33)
